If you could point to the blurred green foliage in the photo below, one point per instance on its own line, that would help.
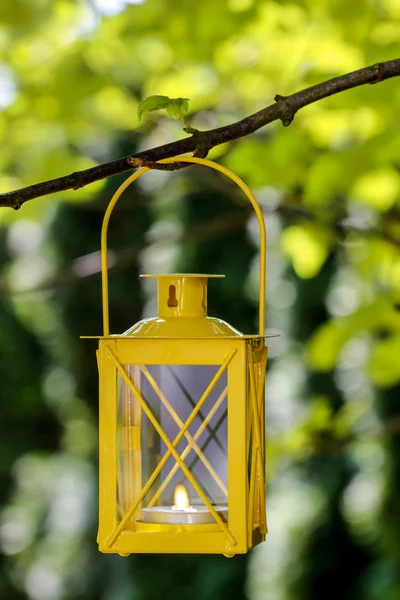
(72, 75)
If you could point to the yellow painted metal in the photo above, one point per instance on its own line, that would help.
(181, 334)
(153, 351)
(237, 448)
(179, 351)
(256, 422)
(252, 485)
(107, 439)
(189, 289)
(167, 542)
(207, 163)
(261, 407)
(171, 448)
(167, 539)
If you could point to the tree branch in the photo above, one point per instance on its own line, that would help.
(201, 142)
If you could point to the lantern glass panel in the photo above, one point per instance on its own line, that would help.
(171, 392)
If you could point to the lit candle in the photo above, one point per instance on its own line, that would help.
(182, 513)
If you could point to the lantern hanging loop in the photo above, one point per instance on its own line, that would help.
(206, 163)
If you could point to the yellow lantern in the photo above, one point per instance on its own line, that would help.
(182, 420)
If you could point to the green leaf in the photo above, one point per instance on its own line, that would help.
(175, 107)
(152, 103)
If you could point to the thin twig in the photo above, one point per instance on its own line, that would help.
(201, 142)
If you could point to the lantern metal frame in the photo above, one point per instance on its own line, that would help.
(244, 358)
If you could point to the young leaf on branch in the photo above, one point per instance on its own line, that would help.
(175, 107)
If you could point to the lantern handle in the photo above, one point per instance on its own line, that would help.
(206, 163)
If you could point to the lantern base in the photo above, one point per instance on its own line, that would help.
(179, 539)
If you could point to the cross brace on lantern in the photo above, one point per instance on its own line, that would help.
(172, 447)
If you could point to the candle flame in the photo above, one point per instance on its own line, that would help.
(181, 497)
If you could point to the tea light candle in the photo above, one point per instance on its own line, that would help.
(181, 513)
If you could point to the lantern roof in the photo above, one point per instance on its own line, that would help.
(182, 310)
(171, 275)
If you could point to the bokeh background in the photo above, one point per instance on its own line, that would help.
(71, 76)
